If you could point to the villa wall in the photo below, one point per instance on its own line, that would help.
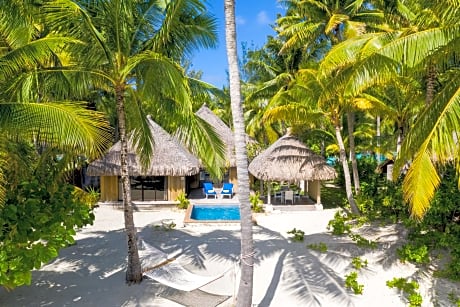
(109, 188)
(233, 178)
(314, 190)
(176, 185)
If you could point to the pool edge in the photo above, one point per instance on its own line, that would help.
(192, 222)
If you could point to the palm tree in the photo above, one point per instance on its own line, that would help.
(130, 55)
(29, 114)
(244, 296)
(308, 24)
(433, 139)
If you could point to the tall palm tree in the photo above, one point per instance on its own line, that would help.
(433, 138)
(329, 22)
(244, 296)
(129, 53)
(32, 115)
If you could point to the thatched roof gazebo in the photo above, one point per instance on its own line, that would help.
(290, 160)
(170, 158)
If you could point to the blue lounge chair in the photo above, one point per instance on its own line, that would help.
(227, 190)
(208, 189)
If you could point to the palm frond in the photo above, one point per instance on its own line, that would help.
(65, 14)
(301, 34)
(415, 48)
(420, 184)
(158, 74)
(334, 21)
(203, 140)
(185, 28)
(436, 126)
(32, 55)
(65, 125)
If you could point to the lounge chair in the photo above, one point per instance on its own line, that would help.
(227, 190)
(208, 189)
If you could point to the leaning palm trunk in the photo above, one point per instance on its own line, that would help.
(354, 163)
(133, 270)
(346, 170)
(244, 296)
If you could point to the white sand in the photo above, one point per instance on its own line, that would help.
(91, 273)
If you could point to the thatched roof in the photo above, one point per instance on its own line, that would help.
(170, 158)
(225, 133)
(288, 159)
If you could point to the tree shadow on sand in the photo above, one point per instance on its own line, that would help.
(310, 277)
(92, 272)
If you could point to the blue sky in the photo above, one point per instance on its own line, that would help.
(253, 20)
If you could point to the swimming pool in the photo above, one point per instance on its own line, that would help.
(213, 213)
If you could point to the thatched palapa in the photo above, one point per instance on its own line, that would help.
(290, 160)
(170, 158)
(224, 132)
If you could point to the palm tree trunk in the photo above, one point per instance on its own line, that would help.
(244, 296)
(346, 170)
(133, 270)
(430, 83)
(377, 133)
(351, 141)
(399, 139)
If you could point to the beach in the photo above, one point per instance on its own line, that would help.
(286, 272)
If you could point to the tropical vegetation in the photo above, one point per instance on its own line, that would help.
(351, 78)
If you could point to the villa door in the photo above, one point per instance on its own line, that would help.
(145, 188)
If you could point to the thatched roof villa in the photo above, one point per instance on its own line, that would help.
(172, 167)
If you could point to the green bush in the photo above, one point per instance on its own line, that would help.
(256, 202)
(351, 282)
(339, 224)
(359, 263)
(38, 218)
(362, 242)
(320, 247)
(184, 202)
(408, 288)
(297, 234)
(414, 253)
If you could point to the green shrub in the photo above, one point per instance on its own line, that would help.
(413, 253)
(359, 263)
(256, 202)
(408, 288)
(362, 242)
(184, 202)
(297, 235)
(320, 247)
(351, 282)
(453, 299)
(39, 218)
(339, 224)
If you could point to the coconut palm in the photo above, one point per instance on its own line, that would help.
(129, 54)
(329, 22)
(433, 138)
(244, 295)
(29, 115)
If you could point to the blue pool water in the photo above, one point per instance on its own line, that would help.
(216, 212)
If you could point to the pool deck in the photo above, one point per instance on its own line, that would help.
(196, 196)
